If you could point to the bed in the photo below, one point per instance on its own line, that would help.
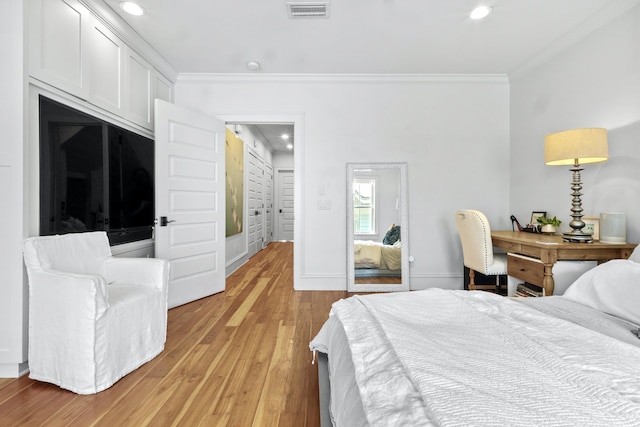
(373, 258)
(460, 358)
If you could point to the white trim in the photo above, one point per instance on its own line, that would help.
(299, 178)
(32, 141)
(199, 78)
(126, 249)
(14, 370)
(402, 168)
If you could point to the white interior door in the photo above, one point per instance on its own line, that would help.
(255, 202)
(285, 205)
(190, 201)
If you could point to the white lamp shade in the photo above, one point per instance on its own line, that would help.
(587, 145)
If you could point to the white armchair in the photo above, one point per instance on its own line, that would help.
(93, 318)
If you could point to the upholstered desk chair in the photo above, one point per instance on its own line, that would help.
(477, 248)
(93, 318)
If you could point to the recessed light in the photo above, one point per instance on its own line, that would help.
(290, 146)
(132, 8)
(284, 136)
(480, 12)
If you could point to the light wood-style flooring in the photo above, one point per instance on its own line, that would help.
(237, 358)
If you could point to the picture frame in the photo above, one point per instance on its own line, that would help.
(535, 215)
(592, 226)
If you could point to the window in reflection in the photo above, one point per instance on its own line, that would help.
(364, 206)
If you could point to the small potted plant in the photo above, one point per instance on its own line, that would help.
(549, 225)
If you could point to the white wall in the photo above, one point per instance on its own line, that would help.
(13, 290)
(594, 83)
(453, 132)
(283, 161)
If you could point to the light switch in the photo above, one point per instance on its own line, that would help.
(324, 205)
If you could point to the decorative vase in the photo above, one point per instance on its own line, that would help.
(548, 229)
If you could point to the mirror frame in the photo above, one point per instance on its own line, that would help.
(404, 229)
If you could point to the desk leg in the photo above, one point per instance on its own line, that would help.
(547, 282)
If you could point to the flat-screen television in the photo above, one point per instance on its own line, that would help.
(94, 175)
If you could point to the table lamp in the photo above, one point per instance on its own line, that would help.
(576, 147)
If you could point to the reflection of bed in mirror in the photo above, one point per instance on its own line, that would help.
(377, 260)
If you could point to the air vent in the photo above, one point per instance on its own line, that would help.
(308, 10)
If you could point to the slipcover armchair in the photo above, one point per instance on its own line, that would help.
(93, 318)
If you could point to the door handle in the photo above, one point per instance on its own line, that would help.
(164, 221)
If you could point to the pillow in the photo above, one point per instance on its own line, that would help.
(635, 255)
(392, 236)
(612, 287)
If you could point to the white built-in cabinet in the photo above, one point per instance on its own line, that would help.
(57, 46)
(138, 86)
(106, 55)
(72, 50)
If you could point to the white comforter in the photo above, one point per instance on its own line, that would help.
(456, 358)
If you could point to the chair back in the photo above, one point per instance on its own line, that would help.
(475, 236)
(82, 253)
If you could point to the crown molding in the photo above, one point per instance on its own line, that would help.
(341, 78)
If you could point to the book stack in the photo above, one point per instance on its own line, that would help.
(529, 290)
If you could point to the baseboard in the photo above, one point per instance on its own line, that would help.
(13, 370)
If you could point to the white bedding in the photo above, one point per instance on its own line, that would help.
(473, 358)
(371, 254)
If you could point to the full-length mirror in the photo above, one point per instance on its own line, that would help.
(377, 227)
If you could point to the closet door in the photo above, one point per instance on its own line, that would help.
(255, 204)
(57, 45)
(268, 203)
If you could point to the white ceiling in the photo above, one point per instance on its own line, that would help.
(365, 36)
(272, 134)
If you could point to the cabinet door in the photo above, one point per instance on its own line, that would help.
(57, 48)
(106, 68)
(138, 89)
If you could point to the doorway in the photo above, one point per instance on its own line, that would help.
(266, 153)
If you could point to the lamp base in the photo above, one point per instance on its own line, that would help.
(577, 236)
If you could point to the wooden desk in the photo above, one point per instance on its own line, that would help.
(549, 249)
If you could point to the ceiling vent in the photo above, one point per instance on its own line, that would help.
(308, 10)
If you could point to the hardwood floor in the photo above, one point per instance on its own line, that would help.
(237, 358)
